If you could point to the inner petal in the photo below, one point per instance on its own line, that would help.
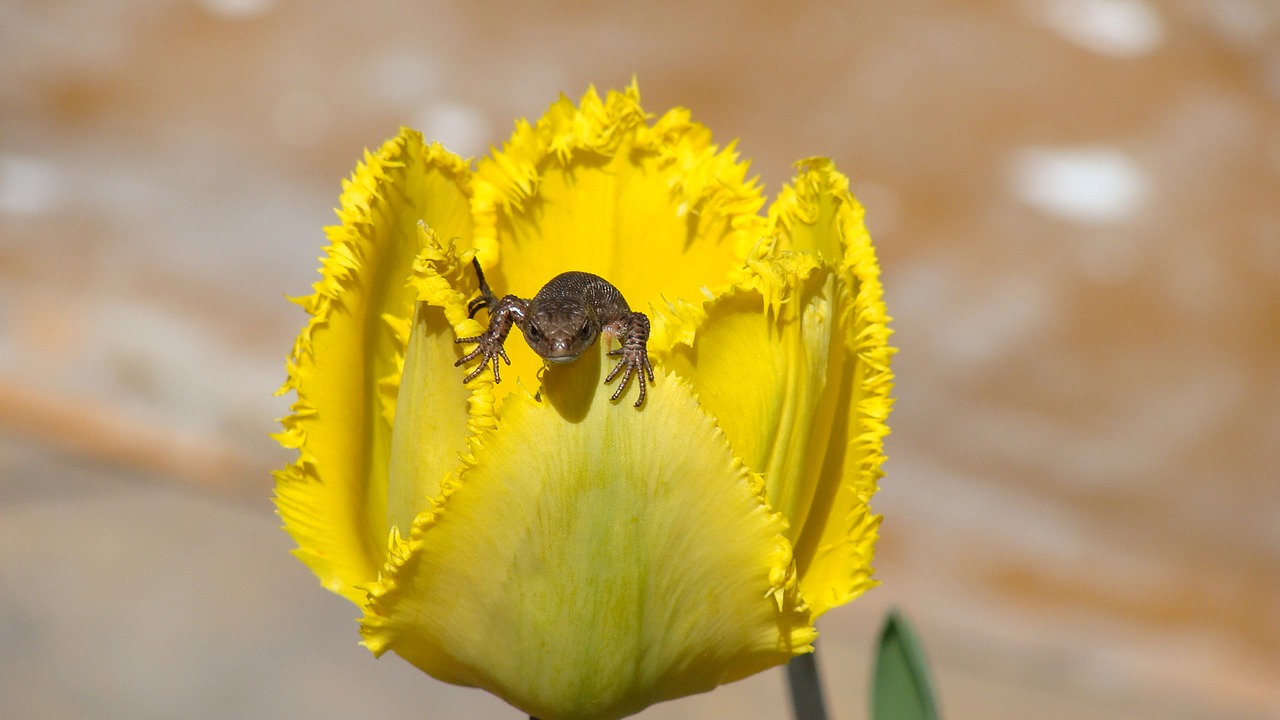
(764, 365)
(430, 428)
(657, 210)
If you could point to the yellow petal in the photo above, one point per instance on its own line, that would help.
(835, 550)
(594, 559)
(817, 215)
(431, 421)
(765, 363)
(346, 362)
(797, 346)
(656, 209)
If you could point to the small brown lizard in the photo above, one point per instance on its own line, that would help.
(561, 321)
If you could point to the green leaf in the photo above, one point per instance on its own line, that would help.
(901, 689)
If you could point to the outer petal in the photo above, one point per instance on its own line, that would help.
(835, 548)
(657, 209)
(798, 346)
(346, 362)
(594, 559)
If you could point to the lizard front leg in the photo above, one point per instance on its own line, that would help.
(633, 330)
(510, 310)
(487, 299)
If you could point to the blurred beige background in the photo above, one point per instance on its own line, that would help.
(1077, 208)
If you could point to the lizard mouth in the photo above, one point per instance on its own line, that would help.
(560, 359)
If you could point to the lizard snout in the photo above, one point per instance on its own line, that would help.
(561, 350)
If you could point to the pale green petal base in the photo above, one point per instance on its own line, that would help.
(594, 559)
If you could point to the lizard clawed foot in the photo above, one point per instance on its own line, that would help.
(635, 360)
(489, 349)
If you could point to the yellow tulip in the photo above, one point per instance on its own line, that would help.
(581, 557)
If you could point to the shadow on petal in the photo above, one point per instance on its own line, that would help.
(571, 388)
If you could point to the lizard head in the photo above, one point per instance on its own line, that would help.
(560, 337)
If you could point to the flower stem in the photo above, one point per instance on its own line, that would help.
(806, 687)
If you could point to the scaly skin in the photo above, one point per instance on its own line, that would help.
(559, 323)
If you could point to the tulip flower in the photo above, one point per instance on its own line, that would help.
(579, 556)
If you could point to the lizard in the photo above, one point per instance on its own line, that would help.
(562, 320)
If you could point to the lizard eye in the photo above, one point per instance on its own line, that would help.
(585, 332)
(533, 333)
